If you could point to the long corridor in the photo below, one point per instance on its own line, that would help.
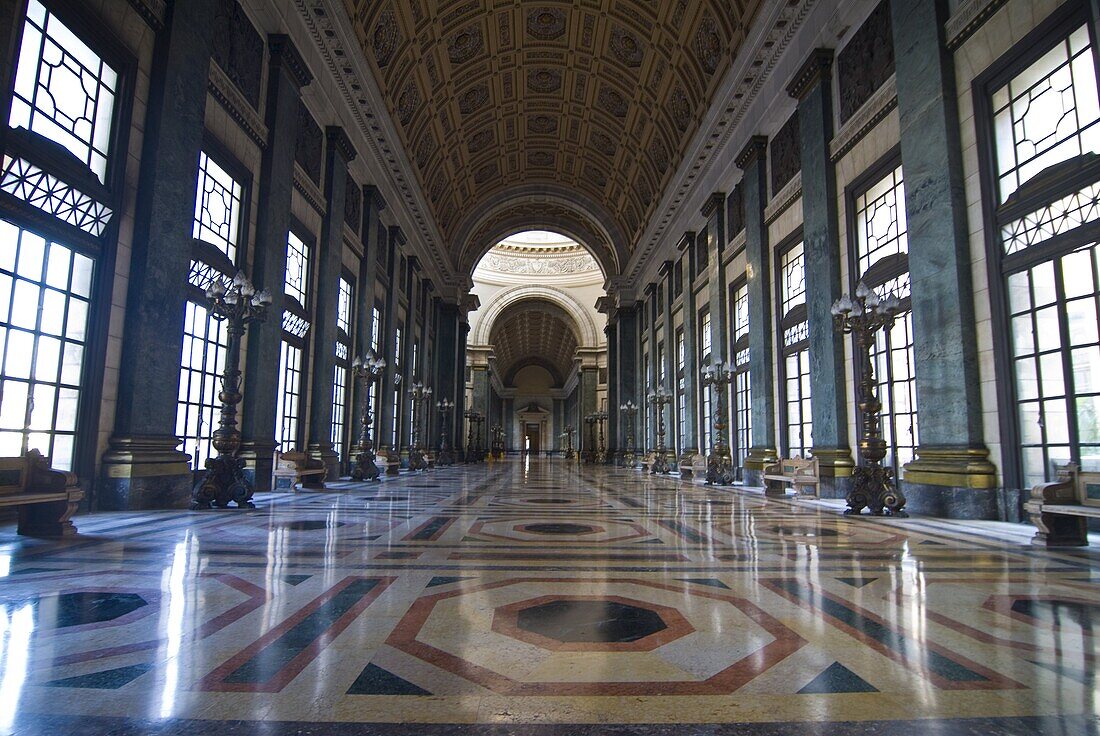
(536, 597)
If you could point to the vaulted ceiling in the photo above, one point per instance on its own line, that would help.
(593, 100)
(534, 332)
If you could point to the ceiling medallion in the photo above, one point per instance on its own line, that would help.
(407, 102)
(708, 44)
(626, 46)
(481, 140)
(611, 101)
(542, 124)
(546, 24)
(473, 99)
(385, 39)
(544, 80)
(486, 172)
(680, 108)
(465, 44)
(540, 158)
(603, 143)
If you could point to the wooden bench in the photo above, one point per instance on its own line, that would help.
(295, 467)
(46, 498)
(1060, 510)
(799, 473)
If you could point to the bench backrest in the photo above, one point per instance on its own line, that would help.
(31, 472)
(14, 472)
(1086, 484)
(798, 466)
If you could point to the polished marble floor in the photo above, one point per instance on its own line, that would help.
(544, 598)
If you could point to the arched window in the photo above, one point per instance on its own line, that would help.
(794, 350)
(296, 324)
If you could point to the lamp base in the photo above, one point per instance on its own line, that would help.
(224, 484)
(366, 469)
(873, 489)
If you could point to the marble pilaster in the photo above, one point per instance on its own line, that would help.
(753, 161)
(142, 468)
(338, 154)
(813, 90)
(387, 419)
(690, 441)
(951, 475)
(287, 74)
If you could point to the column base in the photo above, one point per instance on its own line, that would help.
(835, 465)
(958, 483)
(324, 452)
(259, 464)
(142, 473)
(755, 461)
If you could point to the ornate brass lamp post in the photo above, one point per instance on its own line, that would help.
(445, 407)
(873, 485)
(420, 395)
(238, 305)
(497, 445)
(659, 397)
(367, 369)
(468, 455)
(568, 435)
(601, 449)
(719, 467)
(629, 410)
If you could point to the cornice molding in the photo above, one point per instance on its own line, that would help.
(742, 85)
(873, 112)
(310, 192)
(152, 12)
(338, 140)
(226, 94)
(783, 199)
(968, 18)
(715, 202)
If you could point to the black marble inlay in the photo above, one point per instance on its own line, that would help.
(310, 525)
(549, 500)
(444, 580)
(709, 582)
(389, 498)
(558, 528)
(590, 621)
(1058, 612)
(374, 680)
(838, 679)
(76, 609)
(106, 680)
(795, 531)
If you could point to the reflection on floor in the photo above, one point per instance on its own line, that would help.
(518, 597)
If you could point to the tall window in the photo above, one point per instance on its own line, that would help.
(742, 392)
(794, 333)
(45, 294)
(705, 392)
(375, 329)
(647, 410)
(63, 90)
(216, 229)
(296, 325)
(396, 406)
(1042, 113)
(343, 366)
(882, 263)
(681, 393)
(56, 211)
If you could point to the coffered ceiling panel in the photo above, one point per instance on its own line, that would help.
(597, 97)
(534, 331)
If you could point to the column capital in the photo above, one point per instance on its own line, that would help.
(686, 241)
(373, 197)
(397, 235)
(284, 54)
(713, 204)
(339, 142)
(756, 148)
(818, 69)
(666, 268)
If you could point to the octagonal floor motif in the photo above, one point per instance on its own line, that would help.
(539, 599)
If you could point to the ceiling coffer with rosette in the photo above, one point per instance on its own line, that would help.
(597, 97)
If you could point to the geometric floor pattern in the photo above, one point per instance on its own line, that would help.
(544, 598)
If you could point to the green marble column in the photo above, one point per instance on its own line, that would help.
(373, 238)
(650, 384)
(387, 420)
(691, 359)
(952, 475)
(753, 161)
(626, 318)
(668, 274)
(813, 89)
(142, 468)
(614, 446)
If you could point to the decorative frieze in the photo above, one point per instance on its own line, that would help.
(226, 94)
(866, 62)
(864, 121)
(968, 18)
